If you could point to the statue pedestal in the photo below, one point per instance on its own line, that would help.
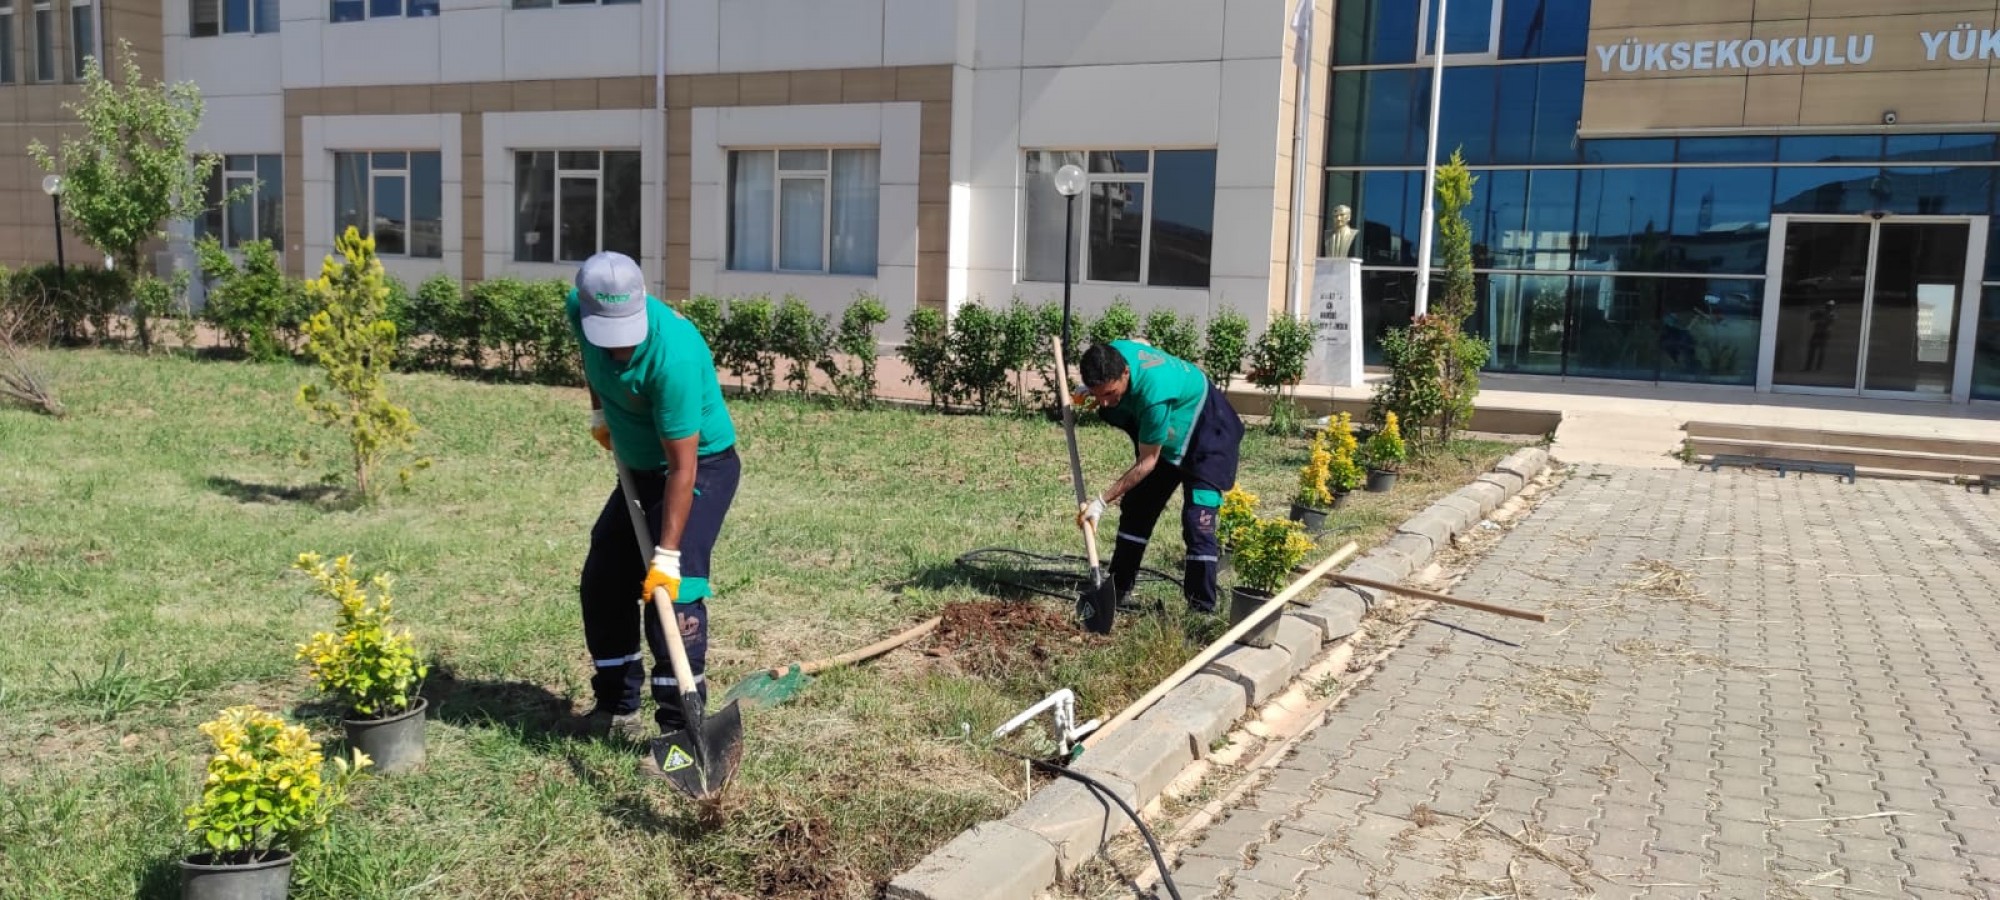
(1336, 309)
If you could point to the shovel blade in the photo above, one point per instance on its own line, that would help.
(762, 689)
(699, 760)
(1097, 604)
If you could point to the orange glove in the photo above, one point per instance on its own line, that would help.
(600, 430)
(664, 573)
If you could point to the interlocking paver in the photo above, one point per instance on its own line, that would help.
(1842, 660)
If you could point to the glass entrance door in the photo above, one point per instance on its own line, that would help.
(1866, 306)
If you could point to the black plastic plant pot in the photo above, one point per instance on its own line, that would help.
(394, 744)
(1380, 481)
(1340, 499)
(1313, 519)
(1242, 602)
(204, 879)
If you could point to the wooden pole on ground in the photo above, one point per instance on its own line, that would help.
(1228, 638)
(1441, 598)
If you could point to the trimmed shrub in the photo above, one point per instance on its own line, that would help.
(804, 338)
(855, 340)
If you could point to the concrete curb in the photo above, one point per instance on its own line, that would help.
(1065, 823)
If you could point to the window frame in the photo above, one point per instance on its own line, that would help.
(255, 24)
(259, 229)
(779, 175)
(1493, 36)
(406, 9)
(8, 58)
(1082, 233)
(79, 55)
(555, 200)
(405, 172)
(566, 4)
(41, 18)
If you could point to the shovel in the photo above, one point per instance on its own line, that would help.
(770, 687)
(1096, 605)
(699, 759)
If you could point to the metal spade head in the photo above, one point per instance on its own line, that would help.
(1097, 603)
(700, 759)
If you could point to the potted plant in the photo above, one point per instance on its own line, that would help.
(1344, 476)
(265, 794)
(1239, 508)
(1266, 552)
(1313, 499)
(372, 671)
(1385, 453)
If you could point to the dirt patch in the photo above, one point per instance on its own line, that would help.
(994, 637)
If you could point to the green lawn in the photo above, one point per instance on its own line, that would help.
(144, 585)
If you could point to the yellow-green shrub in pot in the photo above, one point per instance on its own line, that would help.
(1266, 550)
(369, 668)
(265, 794)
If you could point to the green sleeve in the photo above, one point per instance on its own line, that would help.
(677, 405)
(1153, 428)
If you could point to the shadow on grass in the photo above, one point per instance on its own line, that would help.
(537, 712)
(323, 495)
(160, 879)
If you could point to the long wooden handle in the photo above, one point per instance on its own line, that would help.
(1250, 623)
(1443, 598)
(670, 622)
(872, 650)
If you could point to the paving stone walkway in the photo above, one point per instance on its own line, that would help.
(1812, 712)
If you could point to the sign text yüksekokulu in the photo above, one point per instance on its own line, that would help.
(1962, 44)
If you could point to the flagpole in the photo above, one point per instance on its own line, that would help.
(1430, 167)
(1295, 279)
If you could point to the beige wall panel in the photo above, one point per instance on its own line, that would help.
(1768, 10)
(1993, 96)
(816, 87)
(1772, 99)
(764, 89)
(1919, 98)
(1822, 8)
(1613, 38)
(1623, 106)
(1899, 43)
(1619, 13)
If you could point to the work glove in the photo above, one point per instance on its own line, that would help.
(1090, 512)
(665, 572)
(600, 430)
(1079, 396)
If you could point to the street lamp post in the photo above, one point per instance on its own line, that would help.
(1069, 183)
(52, 185)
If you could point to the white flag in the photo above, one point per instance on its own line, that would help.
(1302, 26)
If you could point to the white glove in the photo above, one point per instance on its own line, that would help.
(1091, 511)
(665, 572)
(599, 429)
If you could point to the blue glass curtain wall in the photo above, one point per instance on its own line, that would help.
(1986, 347)
(1382, 32)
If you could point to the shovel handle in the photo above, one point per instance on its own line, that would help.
(872, 650)
(669, 621)
(1493, 608)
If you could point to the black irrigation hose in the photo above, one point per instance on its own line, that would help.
(1061, 576)
(1166, 876)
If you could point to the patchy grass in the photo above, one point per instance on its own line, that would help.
(144, 586)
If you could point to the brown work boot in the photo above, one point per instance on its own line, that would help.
(601, 722)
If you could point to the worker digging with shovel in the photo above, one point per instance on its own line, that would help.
(1185, 436)
(657, 407)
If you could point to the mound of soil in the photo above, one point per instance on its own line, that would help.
(994, 637)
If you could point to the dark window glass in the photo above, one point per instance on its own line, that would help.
(1498, 214)
(1388, 300)
(1986, 347)
(1827, 190)
(1394, 116)
(235, 16)
(382, 9)
(1382, 214)
(45, 45)
(210, 223)
(1548, 233)
(1114, 161)
(392, 210)
(1374, 32)
(1615, 327)
(204, 18)
(1183, 218)
(621, 202)
(1558, 109)
(427, 205)
(1933, 191)
(350, 193)
(534, 206)
(1831, 148)
(1709, 329)
(578, 232)
(242, 219)
(1543, 28)
(423, 8)
(1629, 150)
(1468, 28)
(1514, 107)
(1465, 120)
(1622, 219)
(7, 45)
(348, 11)
(267, 17)
(1993, 250)
(1116, 221)
(1523, 320)
(271, 199)
(83, 39)
(1939, 148)
(1728, 150)
(1348, 103)
(1722, 220)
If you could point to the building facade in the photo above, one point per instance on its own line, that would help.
(1788, 195)
(822, 148)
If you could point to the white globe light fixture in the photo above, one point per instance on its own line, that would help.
(1069, 183)
(1069, 180)
(52, 184)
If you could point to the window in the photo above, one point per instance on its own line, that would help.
(208, 18)
(6, 41)
(545, 4)
(1538, 29)
(804, 210)
(570, 204)
(1470, 27)
(258, 213)
(44, 44)
(363, 10)
(396, 196)
(1148, 217)
(83, 37)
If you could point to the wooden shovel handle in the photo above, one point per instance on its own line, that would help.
(872, 650)
(1443, 598)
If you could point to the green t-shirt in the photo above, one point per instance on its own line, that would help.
(666, 391)
(1165, 399)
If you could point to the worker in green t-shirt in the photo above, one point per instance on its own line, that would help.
(655, 404)
(1185, 435)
